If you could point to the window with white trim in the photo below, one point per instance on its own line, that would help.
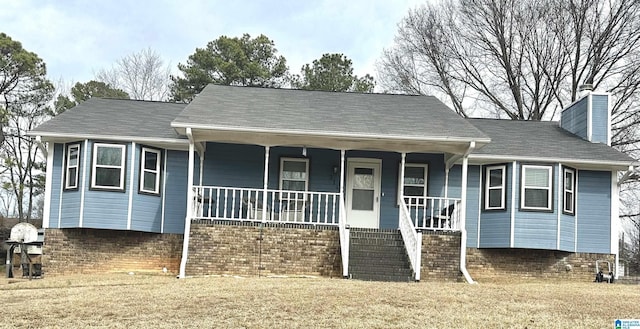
(72, 166)
(536, 192)
(569, 187)
(150, 171)
(294, 176)
(495, 186)
(108, 166)
(415, 180)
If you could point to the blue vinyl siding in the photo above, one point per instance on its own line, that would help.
(574, 118)
(599, 118)
(594, 211)
(107, 209)
(567, 232)
(473, 201)
(234, 165)
(536, 229)
(175, 209)
(455, 182)
(146, 214)
(56, 184)
(495, 225)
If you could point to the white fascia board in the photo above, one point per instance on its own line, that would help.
(618, 165)
(399, 138)
(56, 137)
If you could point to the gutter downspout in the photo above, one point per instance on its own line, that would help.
(463, 214)
(190, 196)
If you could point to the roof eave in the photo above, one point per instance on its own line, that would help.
(181, 127)
(171, 143)
(613, 165)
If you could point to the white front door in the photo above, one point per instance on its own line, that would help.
(363, 192)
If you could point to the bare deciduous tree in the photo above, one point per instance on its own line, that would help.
(142, 75)
(523, 59)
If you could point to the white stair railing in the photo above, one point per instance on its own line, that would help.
(412, 239)
(344, 241)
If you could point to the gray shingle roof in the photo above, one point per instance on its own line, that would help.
(115, 117)
(541, 139)
(268, 109)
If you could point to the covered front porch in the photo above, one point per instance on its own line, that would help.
(315, 186)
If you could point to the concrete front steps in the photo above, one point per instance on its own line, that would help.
(378, 255)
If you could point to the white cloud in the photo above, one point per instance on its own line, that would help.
(77, 38)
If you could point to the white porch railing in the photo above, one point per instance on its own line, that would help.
(344, 240)
(236, 203)
(412, 240)
(434, 213)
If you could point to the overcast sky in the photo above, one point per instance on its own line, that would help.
(78, 38)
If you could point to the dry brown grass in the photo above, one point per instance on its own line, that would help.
(151, 301)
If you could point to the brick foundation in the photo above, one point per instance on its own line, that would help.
(252, 249)
(440, 256)
(497, 264)
(84, 250)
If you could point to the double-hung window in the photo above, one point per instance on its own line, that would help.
(569, 187)
(108, 166)
(414, 181)
(294, 176)
(150, 171)
(71, 171)
(494, 191)
(536, 192)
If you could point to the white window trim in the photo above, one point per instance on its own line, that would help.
(502, 187)
(571, 189)
(156, 170)
(401, 184)
(523, 187)
(306, 168)
(121, 167)
(67, 167)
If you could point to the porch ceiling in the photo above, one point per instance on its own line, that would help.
(335, 141)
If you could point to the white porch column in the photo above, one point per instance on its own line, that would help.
(265, 183)
(463, 214)
(342, 159)
(190, 200)
(446, 181)
(403, 161)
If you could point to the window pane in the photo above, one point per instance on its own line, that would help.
(495, 198)
(536, 177)
(108, 177)
(413, 191)
(362, 200)
(299, 166)
(363, 178)
(71, 177)
(568, 181)
(495, 177)
(151, 160)
(537, 198)
(568, 201)
(109, 156)
(414, 175)
(73, 156)
(149, 181)
(293, 185)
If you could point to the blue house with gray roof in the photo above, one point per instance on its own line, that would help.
(278, 181)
